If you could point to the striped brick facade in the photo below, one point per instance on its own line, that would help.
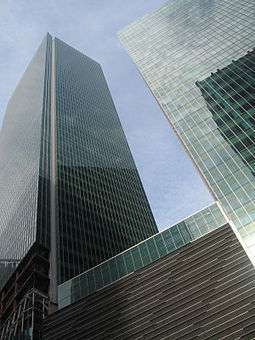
(204, 290)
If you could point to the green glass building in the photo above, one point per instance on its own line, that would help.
(67, 176)
(197, 58)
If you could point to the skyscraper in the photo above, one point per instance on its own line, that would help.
(176, 49)
(67, 176)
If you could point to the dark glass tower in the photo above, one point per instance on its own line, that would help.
(67, 176)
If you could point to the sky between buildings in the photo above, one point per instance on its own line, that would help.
(171, 182)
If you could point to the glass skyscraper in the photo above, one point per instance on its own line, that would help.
(197, 58)
(67, 176)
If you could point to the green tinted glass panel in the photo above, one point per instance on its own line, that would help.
(84, 285)
(122, 269)
(112, 264)
(141, 255)
(160, 245)
(129, 261)
(145, 253)
(184, 232)
(91, 281)
(98, 277)
(168, 238)
(154, 254)
(136, 257)
(178, 240)
(106, 273)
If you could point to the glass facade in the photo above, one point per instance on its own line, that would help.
(7, 267)
(197, 58)
(230, 96)
(100, 207)
(141, 254)
(20, 142)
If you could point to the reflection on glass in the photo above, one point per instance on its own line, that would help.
(197, 58)
(141, 255)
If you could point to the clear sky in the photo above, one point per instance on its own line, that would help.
(172, 184)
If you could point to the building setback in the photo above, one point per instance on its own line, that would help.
(176, 49)
(67, 176)
(203, 288)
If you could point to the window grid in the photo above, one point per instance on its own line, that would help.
(142, 254)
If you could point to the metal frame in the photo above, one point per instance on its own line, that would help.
(26, 320)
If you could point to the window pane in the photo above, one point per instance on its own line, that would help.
(160, 245)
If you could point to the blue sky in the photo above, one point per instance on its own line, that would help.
(172, 184)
